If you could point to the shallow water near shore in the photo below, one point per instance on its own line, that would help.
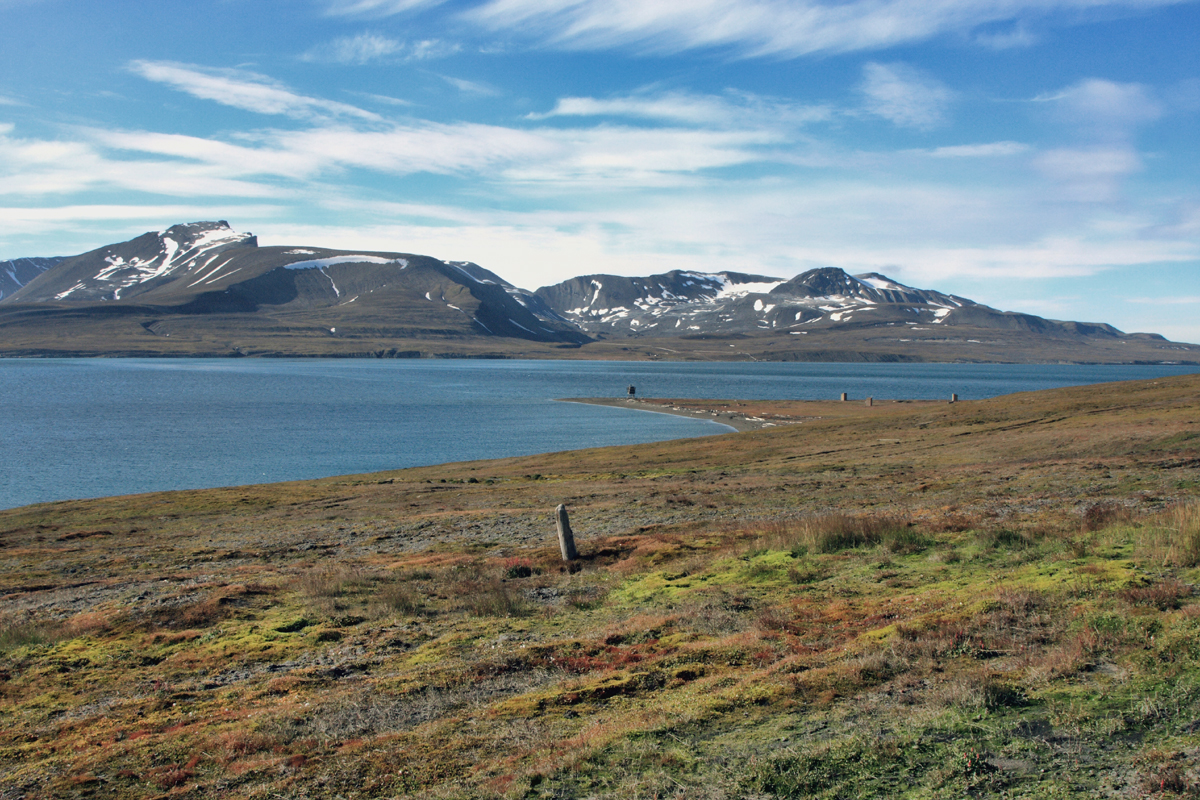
(75, 428)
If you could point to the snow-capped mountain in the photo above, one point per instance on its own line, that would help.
(727, 303)
(208, 268)
(204, 288)
(125, 270)
(619, 304)
(16, 273)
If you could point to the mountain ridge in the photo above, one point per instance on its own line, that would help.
(202, 288)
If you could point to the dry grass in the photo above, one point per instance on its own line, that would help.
(1173, 536)
(831, 533)
(828, 617)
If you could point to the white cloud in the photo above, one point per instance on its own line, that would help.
(387, 100)
(244, 90)
(678, 107)
(16, 217)
(923, 233)
(8, 101)
(226, 159)
(904, 96)
(377, 8)
(1092, 175)
(633, 198)
(367, 47)
(785, 28)
(1104, 108)
(989, 150)
(35, 168)
(1018, 36)
(470, 87)
(360, 49)
(431, 48)
(72, 229)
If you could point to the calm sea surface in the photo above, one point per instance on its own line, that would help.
(77, 428)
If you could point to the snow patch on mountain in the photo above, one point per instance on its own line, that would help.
(322, 263)
(179, 250)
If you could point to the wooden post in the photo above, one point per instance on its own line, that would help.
(954, 398)
(845, 396)
(870, 401)
(566, 539)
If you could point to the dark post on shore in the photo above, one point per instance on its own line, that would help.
(632, 391)
(566, 539)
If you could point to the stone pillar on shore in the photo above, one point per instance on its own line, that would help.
(566, 539)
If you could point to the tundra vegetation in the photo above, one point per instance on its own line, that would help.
(989, 598)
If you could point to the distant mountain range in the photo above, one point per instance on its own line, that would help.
(693, 303)
(204, 289)
(20, 271)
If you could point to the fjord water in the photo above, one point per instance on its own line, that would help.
(75, 428)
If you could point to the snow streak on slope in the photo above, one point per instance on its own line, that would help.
(708, 303)
(321, 263)
(19, 271)
(180, 249)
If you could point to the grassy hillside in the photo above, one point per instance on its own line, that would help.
(989, 598)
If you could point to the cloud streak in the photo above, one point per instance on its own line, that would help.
(731, 110)
(245, 90)
(366, 48)
(751, 28)
(904, 96)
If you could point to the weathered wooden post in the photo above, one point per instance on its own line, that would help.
(566, 539)
(870, 401)
(632, 391)
(845, 396)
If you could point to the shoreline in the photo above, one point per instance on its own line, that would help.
(740, 423)
(754, 415)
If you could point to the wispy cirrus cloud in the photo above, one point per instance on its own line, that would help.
(904, 95)
(988, 150)
(1103, 108)
(368, 47)
(602, 156)
(779, 28)
(41, 169)
(360, 49)
(1010, 39)
(471, 87)
(731, 110)
(245, 90)
(1088, 174)
(376, 8)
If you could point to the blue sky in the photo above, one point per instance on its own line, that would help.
(1035, 155)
